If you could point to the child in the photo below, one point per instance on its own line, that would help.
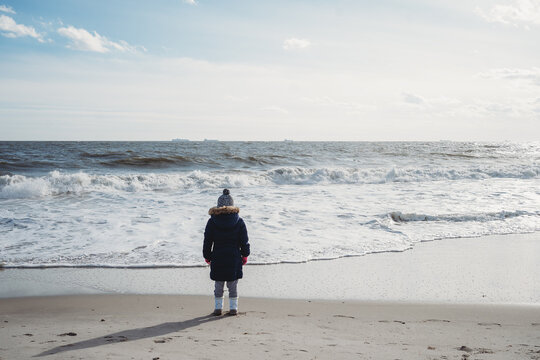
(226, 249)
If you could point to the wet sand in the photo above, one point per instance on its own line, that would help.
(484, 270)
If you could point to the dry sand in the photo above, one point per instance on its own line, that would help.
(180, 327)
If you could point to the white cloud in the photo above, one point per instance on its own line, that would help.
(190, 2)
(348, 106)
(516, 13)
(11, 29)
(532, 75)
(7, 9)
(85, 41)
(295, 44)
(276, 109)
(148, 97)
(535, 105)
(508, 107)
(442, 104)
(511, 107)
(413, 99)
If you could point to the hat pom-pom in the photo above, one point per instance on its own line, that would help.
(226, 192)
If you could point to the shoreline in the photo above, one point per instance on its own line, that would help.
(285, 262)
(499, 269)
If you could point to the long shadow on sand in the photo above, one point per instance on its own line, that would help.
(133, 334)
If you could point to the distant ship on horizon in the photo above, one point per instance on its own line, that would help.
(187, 140)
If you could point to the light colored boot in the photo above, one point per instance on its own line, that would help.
(218, 306)
(233, 306)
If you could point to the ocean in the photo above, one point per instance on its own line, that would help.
(145, 204)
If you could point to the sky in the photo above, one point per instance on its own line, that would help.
(414, 70)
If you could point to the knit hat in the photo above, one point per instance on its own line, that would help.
(225, 199)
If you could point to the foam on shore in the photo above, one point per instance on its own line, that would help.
(479, 270)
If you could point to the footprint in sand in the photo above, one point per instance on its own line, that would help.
(476, 350)
(68, 334)
(162, 341)
(111, 338)
(436, 320)
(46, 342)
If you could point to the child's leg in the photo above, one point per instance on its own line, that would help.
(233, 288)
(233, 296)
(218, 297)
(218, 289)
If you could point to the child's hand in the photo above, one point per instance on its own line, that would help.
(207, 261)
(244, 260)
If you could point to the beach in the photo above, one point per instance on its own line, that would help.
(181, 327)
(484, 306)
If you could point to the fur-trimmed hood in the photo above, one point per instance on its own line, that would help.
(224, 210)
(224, 217)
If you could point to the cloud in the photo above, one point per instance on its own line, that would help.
(348, 106)
(413, 99)
(276, 109)
(85, 41)
(516, 107)
(535, 105)
(436, 104)
(147, 97)
(296, 44)
(190, 2)
(510, 107)
(7, 9)
(532, 75)
(11, 29)
(516, 13)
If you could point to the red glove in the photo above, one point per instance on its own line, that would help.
(244, 260)
(207, 261)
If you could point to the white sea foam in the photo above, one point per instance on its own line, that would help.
(59, 183)
(480, 217)
(354, 199)
(286, 223)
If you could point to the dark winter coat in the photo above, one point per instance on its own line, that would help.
(225, 243)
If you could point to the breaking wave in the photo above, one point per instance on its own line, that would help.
(60, 183)
(399, 217)
(140, 161)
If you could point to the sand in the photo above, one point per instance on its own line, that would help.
(180, 327)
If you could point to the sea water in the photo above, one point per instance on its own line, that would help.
(145, 204)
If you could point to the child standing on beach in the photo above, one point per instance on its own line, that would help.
(226, 249)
